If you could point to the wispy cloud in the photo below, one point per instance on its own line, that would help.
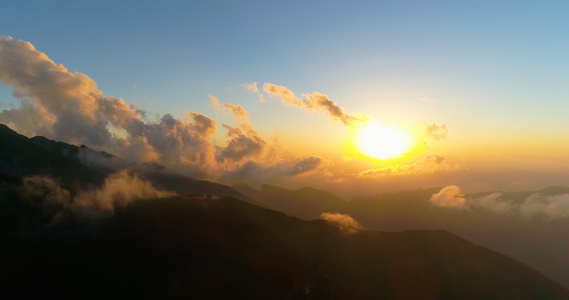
(252, 87)
(313, 102)
(427, 164)
(436, 132)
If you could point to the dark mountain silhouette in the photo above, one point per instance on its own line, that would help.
(181, 184)
(98, 160)
(20, 157)
(72, 165)
(203, 247)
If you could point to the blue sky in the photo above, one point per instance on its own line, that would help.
(493, 71)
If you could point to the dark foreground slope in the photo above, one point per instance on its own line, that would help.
(189, 247)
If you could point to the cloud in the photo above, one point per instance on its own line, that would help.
(244, 142)
(450, 196)
(68, 107)
(238, 111)
(315, 102)
(549, 206)
(436, 132)
(119, 189)
(436, 159)
(253, 170)
(58, 204)
(426, 165)
(101, 161)
(535, 205)
(342, 221)
(305, 165)
(491, 202)
(45, 191)
(252, 87)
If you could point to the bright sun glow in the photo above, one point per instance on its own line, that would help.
(381, 141)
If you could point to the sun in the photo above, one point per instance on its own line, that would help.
(380, 141)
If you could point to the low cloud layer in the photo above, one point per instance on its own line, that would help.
(535, 205)
(57, 204)
(342, 221)
(427, 164)
(119, 189)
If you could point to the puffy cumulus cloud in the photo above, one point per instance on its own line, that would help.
(248, 170)
(61, 103)
(244, 142)
(342, 221)
(237, 110)
(304, 165)
(140, 150)
(426, 165)
(436, 132)
(182, 145)
(315, 102)
(119, 189)
(68, 107)
(450, 196)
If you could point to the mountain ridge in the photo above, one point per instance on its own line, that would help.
(81, 165)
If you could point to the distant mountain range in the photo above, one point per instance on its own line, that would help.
(307, 203)
(518, 236)
(208, 242)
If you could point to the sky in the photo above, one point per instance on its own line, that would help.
(274, 92)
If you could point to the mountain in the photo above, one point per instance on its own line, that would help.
(306, 203)
(73, 165)
(204, 247)
(21, 157)
(101, 161)
(552, 268)
(517, 235)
